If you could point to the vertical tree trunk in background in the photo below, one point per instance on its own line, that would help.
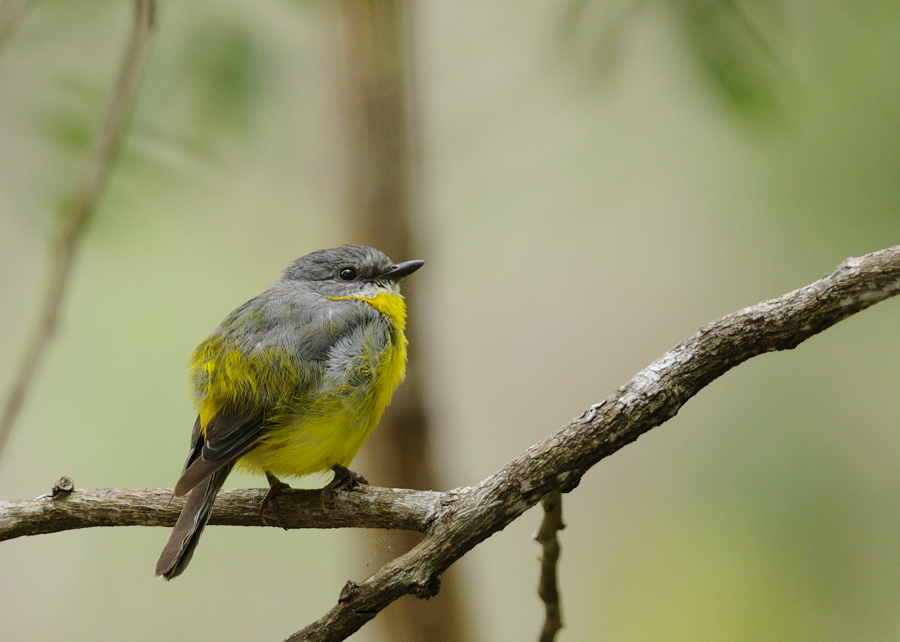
(375, 55)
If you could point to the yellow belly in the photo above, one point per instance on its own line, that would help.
(311, 445)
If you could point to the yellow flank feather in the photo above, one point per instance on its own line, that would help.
(229, 379)
(333, 421)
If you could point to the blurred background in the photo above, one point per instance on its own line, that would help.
(589, 184)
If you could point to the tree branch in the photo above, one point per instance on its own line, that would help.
(653, 396)
(67, 509)
(72, 224)
(456, 521)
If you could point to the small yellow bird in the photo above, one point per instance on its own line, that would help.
(293, 381)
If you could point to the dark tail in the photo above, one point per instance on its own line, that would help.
(186, 534)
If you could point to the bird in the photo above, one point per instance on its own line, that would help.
(292, 382)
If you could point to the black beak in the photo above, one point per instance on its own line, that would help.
(402, 269)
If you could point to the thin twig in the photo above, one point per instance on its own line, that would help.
(548, 589)
(72, 224)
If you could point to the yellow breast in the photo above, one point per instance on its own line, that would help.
(388, 303)
(392, 368)
(319, 440)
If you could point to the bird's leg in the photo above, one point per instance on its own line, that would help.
(275, 486)
(344, 479)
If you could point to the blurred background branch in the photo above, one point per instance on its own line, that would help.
(548, 586)
(74, 219)
(11, 12)
(377, 100)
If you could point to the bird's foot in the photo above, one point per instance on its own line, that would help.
(344, 479)
(275, 486)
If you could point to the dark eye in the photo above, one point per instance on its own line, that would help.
(347, 274)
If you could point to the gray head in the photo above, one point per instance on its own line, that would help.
(348, 270)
